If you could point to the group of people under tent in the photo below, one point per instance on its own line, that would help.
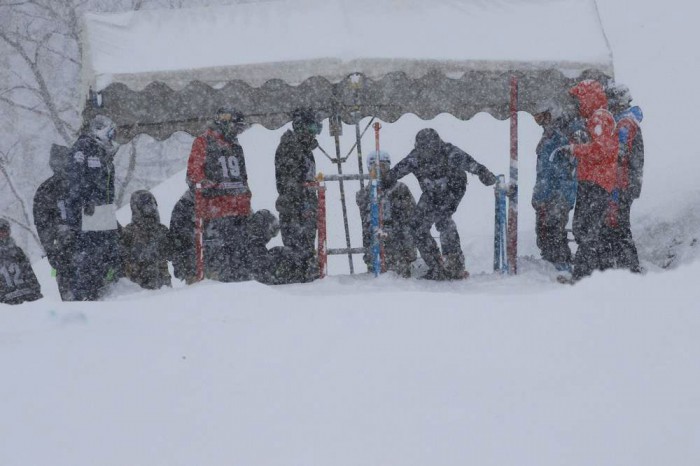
(589, 159)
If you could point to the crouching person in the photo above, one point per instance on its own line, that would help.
(145, 244)
(181, 238)
(18, 282)
(396, 206)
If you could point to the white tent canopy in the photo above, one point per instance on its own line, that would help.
(269, 50)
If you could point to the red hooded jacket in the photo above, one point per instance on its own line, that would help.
(597, 160)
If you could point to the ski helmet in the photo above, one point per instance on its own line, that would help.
(144, 207)
(263, 225)
(230, 122)
(373, 156)
(428, 140)
(305, 120)
(103, 129)
(58, 159)
(618, 94)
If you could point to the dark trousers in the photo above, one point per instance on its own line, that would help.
(619, 250)
(298, 220)
(97, 263)
(589, 217)
(429, 212)
(550, 228)
(298, 225)
(226, 244)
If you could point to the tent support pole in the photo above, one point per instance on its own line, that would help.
(339, 164)
(513, 188)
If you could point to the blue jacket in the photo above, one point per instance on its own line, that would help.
(556, 175)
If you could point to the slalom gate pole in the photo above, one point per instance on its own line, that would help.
(321, 227)
(336, 129)
(198, 234)
(499, 244)
(513, 188)
(380, 225)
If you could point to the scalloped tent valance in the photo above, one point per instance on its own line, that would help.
(158, 72)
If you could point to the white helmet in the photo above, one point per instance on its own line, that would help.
(103, 129)
(384, 157)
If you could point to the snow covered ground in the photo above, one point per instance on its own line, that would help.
(352, 370)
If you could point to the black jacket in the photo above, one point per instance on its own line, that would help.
(146, 244)
(294, 166)
(51, 220)
(441, 174)
(181, 238)
(18, 282)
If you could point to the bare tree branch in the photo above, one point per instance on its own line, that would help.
(25, 213)
(24, 107)
(24, 227)
(46, 95)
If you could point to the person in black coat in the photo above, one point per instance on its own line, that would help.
(91, 210)
(51, 221)
(18, 282)
(181, 238)
(297, 203)
(145, 244)
(441, 169)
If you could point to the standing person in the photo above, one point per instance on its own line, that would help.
(596, 173)
(297, 203)
(396, 210)
(18, 282)
(51, 221)
(441, 169)
(554, 194)
(91, 210)
(619, 245)
(145, 244)
(216, 171)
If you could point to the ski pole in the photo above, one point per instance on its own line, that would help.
(377, 127)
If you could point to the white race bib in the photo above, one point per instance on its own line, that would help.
(104, 219)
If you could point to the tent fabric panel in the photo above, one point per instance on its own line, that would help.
(159, 111)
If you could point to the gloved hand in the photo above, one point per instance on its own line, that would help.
(89, 209)
(487, 178)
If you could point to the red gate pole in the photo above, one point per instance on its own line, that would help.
(198, 234)
(377, 127)
(513, 188)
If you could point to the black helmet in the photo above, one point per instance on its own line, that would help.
(144, 207)
(305, 120)
(428, 140)
(230, 122)
(263, 225)
(58, 159)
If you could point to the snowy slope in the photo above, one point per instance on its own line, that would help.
(350, 370)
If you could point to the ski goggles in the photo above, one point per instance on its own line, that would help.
(314, 128)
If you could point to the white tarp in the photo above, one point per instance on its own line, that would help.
(294, 40)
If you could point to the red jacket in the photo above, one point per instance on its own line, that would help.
(221, 166)
(597, 160)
